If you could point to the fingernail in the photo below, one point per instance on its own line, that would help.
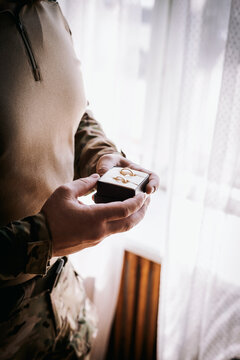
(95, 176)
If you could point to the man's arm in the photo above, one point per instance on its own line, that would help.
(90, 144)
(94, 152)
(25, 247)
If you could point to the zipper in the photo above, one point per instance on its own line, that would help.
(22, 31)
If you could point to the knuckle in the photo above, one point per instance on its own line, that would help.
(102, 170)
(127, 226)
(139, 202)
(105, 157)
(64, 189)
(84, 181)
(125, 212)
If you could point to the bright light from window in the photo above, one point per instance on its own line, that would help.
(147, 3)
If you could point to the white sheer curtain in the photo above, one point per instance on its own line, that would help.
(200, 293)
(163, 78)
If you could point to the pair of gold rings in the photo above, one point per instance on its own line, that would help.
(124, 172)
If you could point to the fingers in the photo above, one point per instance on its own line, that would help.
(129, 222)
(153, 184)
(107, 162)
(121, 209)
(82, 186)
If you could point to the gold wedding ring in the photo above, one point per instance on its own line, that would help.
(127, 171)
(121, 178)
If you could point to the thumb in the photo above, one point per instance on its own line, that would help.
(104, 164)
(84, 185)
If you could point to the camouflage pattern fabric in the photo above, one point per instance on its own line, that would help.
(59, 324)
(25, 248)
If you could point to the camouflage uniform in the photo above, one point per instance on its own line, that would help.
(44, 313)
(46, 322)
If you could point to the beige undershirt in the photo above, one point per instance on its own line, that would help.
(39, 119)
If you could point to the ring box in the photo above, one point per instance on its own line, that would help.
(119, 184)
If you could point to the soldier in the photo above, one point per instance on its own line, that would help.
(52, 151)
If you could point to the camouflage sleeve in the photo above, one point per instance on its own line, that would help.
(90, 144)
(25, 247)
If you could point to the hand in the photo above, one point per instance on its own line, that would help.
(75, 226)
(108, 161)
